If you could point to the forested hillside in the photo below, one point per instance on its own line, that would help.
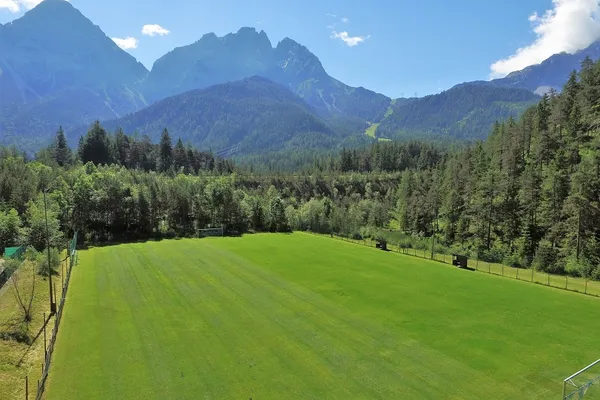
(251, 115)
(529, 195)
(465, 112)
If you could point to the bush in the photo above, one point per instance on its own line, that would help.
(496, 255)
(513, 260)
(42, 260)
(546, 258)
(579, 268)
(11, 266)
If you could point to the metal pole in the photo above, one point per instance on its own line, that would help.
(517, 273)
(27, 387)
(532, 274)
(586, 281)
(566, 282)
(52, 303)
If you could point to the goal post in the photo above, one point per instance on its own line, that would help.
(583, 384)
(206, 232)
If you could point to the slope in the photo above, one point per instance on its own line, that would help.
(465, 112)
(254, 114)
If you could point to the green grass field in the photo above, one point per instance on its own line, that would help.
(306, 317)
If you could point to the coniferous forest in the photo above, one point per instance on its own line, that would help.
(528, 196)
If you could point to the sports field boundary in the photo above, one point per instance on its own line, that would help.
(563, 282)
(72, 259)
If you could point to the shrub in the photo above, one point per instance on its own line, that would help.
(546, 258)
(513, 260)
(578, 268)
(42, 261)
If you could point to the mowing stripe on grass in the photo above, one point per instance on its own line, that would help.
(298, 316)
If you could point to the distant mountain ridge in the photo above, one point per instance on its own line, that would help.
(57, 67)
(213, 60)
(551, 73)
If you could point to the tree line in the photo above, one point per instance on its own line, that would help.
(528, 196)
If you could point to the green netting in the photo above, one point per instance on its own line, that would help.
(73, 244)
(14, 252)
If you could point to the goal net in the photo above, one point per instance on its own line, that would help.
(210, 232)
(584, 384)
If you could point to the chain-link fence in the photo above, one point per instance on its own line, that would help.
(573, 284)
(50, 337)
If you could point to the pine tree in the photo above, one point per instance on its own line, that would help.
(122, 147)
(96, 146)
(166, 151)
(62, 151)
(180, 159)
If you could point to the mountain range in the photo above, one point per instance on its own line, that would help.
(236, 91)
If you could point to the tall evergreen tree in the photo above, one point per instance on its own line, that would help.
(180, 159)
(166, 151)
(96, 146)
(62, 151)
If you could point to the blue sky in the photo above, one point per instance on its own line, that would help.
(396, 47)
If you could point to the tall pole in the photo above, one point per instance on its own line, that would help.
(578, 233)
(52, 303)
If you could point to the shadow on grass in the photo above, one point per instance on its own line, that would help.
(33, 341)
(100, 244)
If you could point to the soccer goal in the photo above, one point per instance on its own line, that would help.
(583, 384)
(210, 232)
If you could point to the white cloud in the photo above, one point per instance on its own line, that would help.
(350, 41)
(331, 15)
(126, 43)
(345, 20)
(15, 6)
(570, 26)
(154, 30)
(11, 5)
(29, 4)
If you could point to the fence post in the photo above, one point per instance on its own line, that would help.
(45, 347)
(489, 269)
(566, 282)
(532, 274)
(27, 387)
(477, 264)
(517, 277)
(502, 269)
(548, 273)
(586, 281)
